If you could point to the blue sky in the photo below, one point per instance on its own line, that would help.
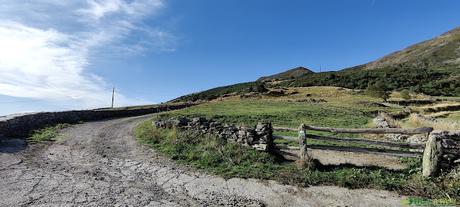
(59, 55)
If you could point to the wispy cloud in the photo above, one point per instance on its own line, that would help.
(47, 45)
(100, 9)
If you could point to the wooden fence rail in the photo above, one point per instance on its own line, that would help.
(404, 149)
(357, 140)
(364, 131)
(386, 152)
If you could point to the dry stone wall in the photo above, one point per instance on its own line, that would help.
(384, 120)
(259, 137)
(21, 126)
(442, 153)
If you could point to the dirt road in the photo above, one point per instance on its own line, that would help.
(100, 164)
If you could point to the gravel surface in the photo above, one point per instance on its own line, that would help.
(100, 164)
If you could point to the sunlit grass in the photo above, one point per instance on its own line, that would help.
(342, 108)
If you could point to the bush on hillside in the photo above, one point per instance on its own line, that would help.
(405, 94)
(378, 90)
(260, 88)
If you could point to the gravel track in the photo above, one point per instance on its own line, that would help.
(100, 164)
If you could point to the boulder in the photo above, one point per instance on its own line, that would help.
(178, 122)
(380, 122)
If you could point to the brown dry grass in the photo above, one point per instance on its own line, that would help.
(415, 120)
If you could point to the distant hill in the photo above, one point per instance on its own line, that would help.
(431, 67)
(290, 74)
(442, 52)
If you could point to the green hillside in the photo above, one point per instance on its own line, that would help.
(440, 53)
(419, 80)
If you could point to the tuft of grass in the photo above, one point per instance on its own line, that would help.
(230, 160)
(46, 134)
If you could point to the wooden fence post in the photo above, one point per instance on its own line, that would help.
(303, 144)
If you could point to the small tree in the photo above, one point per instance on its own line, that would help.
(260, 87)
(378, 90)
(405, 94)
(457, 91)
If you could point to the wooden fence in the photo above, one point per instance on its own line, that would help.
(380, 147)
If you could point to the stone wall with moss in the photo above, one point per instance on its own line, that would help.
(259, 137)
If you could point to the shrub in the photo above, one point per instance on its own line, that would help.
(260, 88)
(46, 134)
(405, 94)
(378, 90)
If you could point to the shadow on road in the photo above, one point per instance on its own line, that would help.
(12, 145)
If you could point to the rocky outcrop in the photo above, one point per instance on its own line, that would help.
(20, 126)
(380, 122)
(259, 137)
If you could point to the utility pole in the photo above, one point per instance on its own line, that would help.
(113, 95)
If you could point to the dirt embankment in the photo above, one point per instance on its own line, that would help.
(442, 108)
(100, 164)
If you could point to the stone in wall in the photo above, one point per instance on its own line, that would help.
(417, 139)
(264, 133)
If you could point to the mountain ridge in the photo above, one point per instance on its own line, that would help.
(289, 74)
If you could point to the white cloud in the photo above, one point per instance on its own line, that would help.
(46, 46)
(47, 64)
(101, 8)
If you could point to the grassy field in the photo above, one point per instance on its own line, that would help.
(342, 108)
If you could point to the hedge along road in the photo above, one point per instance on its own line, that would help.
(101, 164)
